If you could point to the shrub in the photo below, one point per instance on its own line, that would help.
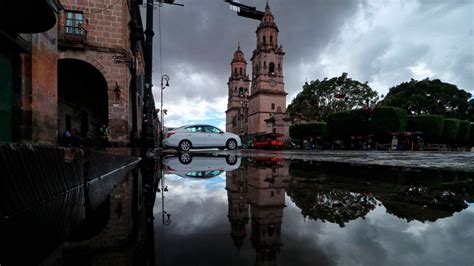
(430, 125)
(463, 132)
(389, 119)
(338, 124)
(450, 130)
(308, 130)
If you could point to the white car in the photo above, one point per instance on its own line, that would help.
(200, 166)
(200, 136)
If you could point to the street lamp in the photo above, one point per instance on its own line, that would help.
(163, 189)
(167, 79)
(243, 96)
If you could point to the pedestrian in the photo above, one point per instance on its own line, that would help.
(394, 143)
(67, 138)
(76, 139)
(104, 136)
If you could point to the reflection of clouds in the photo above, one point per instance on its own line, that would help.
(200, 233)
(383, 239)
(190, 197)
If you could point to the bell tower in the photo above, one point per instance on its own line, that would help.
(239, 83)
(268, 94)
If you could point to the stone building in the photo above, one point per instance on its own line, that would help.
(85, 71)
(239, 85)
(267, 96)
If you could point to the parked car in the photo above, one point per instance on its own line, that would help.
(200, 136)
(200, 166)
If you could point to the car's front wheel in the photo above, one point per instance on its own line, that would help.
(184, 145)
(231, 144)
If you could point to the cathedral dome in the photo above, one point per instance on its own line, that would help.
(239, 56)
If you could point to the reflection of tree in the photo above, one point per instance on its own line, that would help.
(339, 193)
(423, 204)
(328, 204)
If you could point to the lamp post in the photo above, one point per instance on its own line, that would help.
(162, 123)
(243, 97)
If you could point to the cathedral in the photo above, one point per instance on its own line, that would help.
(258, 106)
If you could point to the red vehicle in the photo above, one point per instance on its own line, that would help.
(269, 141)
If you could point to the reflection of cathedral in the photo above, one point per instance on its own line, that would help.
(260, 107)
(256, 192)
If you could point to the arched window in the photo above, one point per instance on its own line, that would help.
(271, 69)
(279, 67)
(264, 39)
(240, 71)
(271, 39)
(235, 70)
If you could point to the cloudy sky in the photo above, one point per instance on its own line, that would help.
(384, 42)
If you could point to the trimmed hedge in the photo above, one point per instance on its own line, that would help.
(463, 132)
(338, 124)
(450, 130)
(389, 119)
(431, 126)
(308, 130)
(349, 123)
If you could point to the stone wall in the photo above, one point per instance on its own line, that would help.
(108, 49)
(44, 87)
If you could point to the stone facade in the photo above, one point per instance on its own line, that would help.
(96, 38)
(265, 108)
(44, 77)
(239, 85)
(107, 47)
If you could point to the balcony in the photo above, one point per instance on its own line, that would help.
(74, 37)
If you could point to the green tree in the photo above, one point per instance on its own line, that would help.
(429, 97)
(320, 98)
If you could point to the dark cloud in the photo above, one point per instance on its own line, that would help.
(379, 42)
(202, 37)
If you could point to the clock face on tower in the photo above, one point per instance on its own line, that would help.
(272, 82)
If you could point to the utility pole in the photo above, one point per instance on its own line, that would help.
(148, 135)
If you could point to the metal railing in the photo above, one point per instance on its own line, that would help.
(72, 36)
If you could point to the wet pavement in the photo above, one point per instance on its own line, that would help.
(257, 208)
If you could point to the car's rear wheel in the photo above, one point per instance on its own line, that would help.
(184, 145)
(231, 159)
(231, 144)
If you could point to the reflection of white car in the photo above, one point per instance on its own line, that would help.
(200, 136)
(188, 165)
